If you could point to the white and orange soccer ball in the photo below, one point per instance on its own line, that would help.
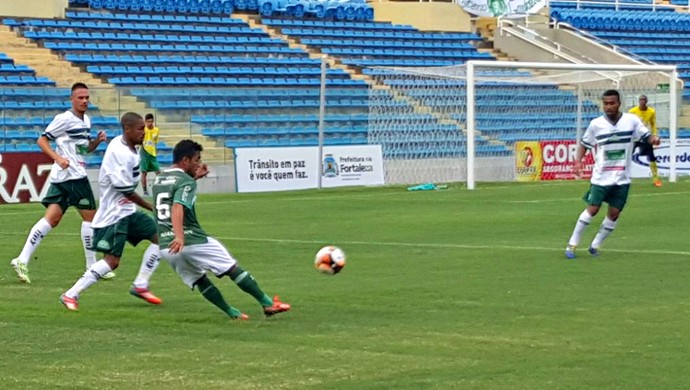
(329, 260)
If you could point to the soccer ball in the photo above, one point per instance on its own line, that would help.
(329, 260)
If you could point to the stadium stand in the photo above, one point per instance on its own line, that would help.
(334, 9)
(242, 86)
(658, 35)
(28, 103)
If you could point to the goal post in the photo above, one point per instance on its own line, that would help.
(470, 122)
(604, 73)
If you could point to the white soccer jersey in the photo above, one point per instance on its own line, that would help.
(614, 144)
(71, 135)
(118, 177)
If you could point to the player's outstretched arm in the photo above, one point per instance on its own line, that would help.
(201, 172)
(93, 144)
(579, 156)
(44, 144)
(654, 140)
(177, 220)
(138, 200)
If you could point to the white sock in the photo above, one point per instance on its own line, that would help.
(38, 232)
(149, 263)
(91, 276)
(582, 222)
(87, 241)
(606, 228)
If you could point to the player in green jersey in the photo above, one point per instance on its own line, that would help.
(186, 246)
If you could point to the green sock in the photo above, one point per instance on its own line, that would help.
(213, 295)
(245, 281)
(655, 170)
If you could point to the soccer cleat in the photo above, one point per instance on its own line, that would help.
(22, 271)
(276, 307)
(657, 183)
(241, 317)
(72, 304)
(593, 251)
(570, 252)
(108, 276)
(146, 295)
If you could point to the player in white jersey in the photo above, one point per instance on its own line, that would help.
(69, 184)
(613, 138)
(117, 219)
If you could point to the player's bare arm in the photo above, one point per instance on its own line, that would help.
(44, 144)
(93, 144)
(201, 172)
(177, 220)
(138, 200)
(579, 156)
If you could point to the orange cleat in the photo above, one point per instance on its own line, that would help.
(276, 307)
(146, 295)
(657, 182)
(242, 317)
(72, 304)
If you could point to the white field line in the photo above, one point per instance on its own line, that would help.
(415, 245)
(397, 197)
(387, 197)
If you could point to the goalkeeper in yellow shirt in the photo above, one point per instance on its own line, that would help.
(148, 151)
(648, 117)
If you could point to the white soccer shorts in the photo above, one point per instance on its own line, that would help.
(195, 260)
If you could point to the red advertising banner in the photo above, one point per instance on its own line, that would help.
(549, 160)
(23, 177)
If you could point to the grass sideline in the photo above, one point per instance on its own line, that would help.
(443, 289)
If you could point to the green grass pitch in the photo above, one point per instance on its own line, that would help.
(450, 289)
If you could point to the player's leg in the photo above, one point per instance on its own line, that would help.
(656, 180)
(144, 185)
(616, 199)
(145, 168)
(594, 197)
(56, 203)
(82, 198)
(142, 227)
(111, 241)
(192, 271)
(155, 167)
(221, 263)
(213, 295)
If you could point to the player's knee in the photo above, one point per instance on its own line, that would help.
(53, 221)
(234, 272)
(202, 283)
(113, 262)
(593, 210)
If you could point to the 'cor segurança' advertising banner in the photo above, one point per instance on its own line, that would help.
(549, 160)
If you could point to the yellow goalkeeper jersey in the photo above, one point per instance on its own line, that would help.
(150, 140)
(648, 117)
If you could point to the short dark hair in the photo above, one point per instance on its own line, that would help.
(76, 86)
(612, 92)
(79, 86)
(128, 119)
(148, 116)
(186, 148)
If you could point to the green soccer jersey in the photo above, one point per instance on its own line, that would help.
(175, 186)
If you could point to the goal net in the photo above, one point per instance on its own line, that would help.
(496, 121)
